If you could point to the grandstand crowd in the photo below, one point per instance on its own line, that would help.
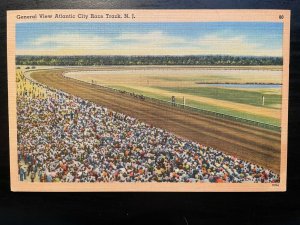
(63, 138)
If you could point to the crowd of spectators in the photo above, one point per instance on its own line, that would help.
(63, 138)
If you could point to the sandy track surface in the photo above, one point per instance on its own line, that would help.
(249, 143)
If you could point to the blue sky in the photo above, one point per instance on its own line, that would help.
(201, 38)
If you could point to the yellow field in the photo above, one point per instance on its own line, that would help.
(24, 86)
(175, 77)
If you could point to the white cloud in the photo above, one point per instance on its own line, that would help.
(71, 41)
(233, 45)
(155, 37)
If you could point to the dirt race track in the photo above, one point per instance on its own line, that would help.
(257, 145)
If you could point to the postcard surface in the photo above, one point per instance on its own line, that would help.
(148, 100)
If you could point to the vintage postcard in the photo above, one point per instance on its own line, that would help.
(148, 100)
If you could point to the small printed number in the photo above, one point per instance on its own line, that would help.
(281, 17)
(275, 185)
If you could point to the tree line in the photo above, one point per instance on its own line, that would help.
(217, 60)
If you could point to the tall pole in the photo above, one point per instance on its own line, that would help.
(263, 100)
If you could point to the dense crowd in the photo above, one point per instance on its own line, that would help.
(63, 138)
